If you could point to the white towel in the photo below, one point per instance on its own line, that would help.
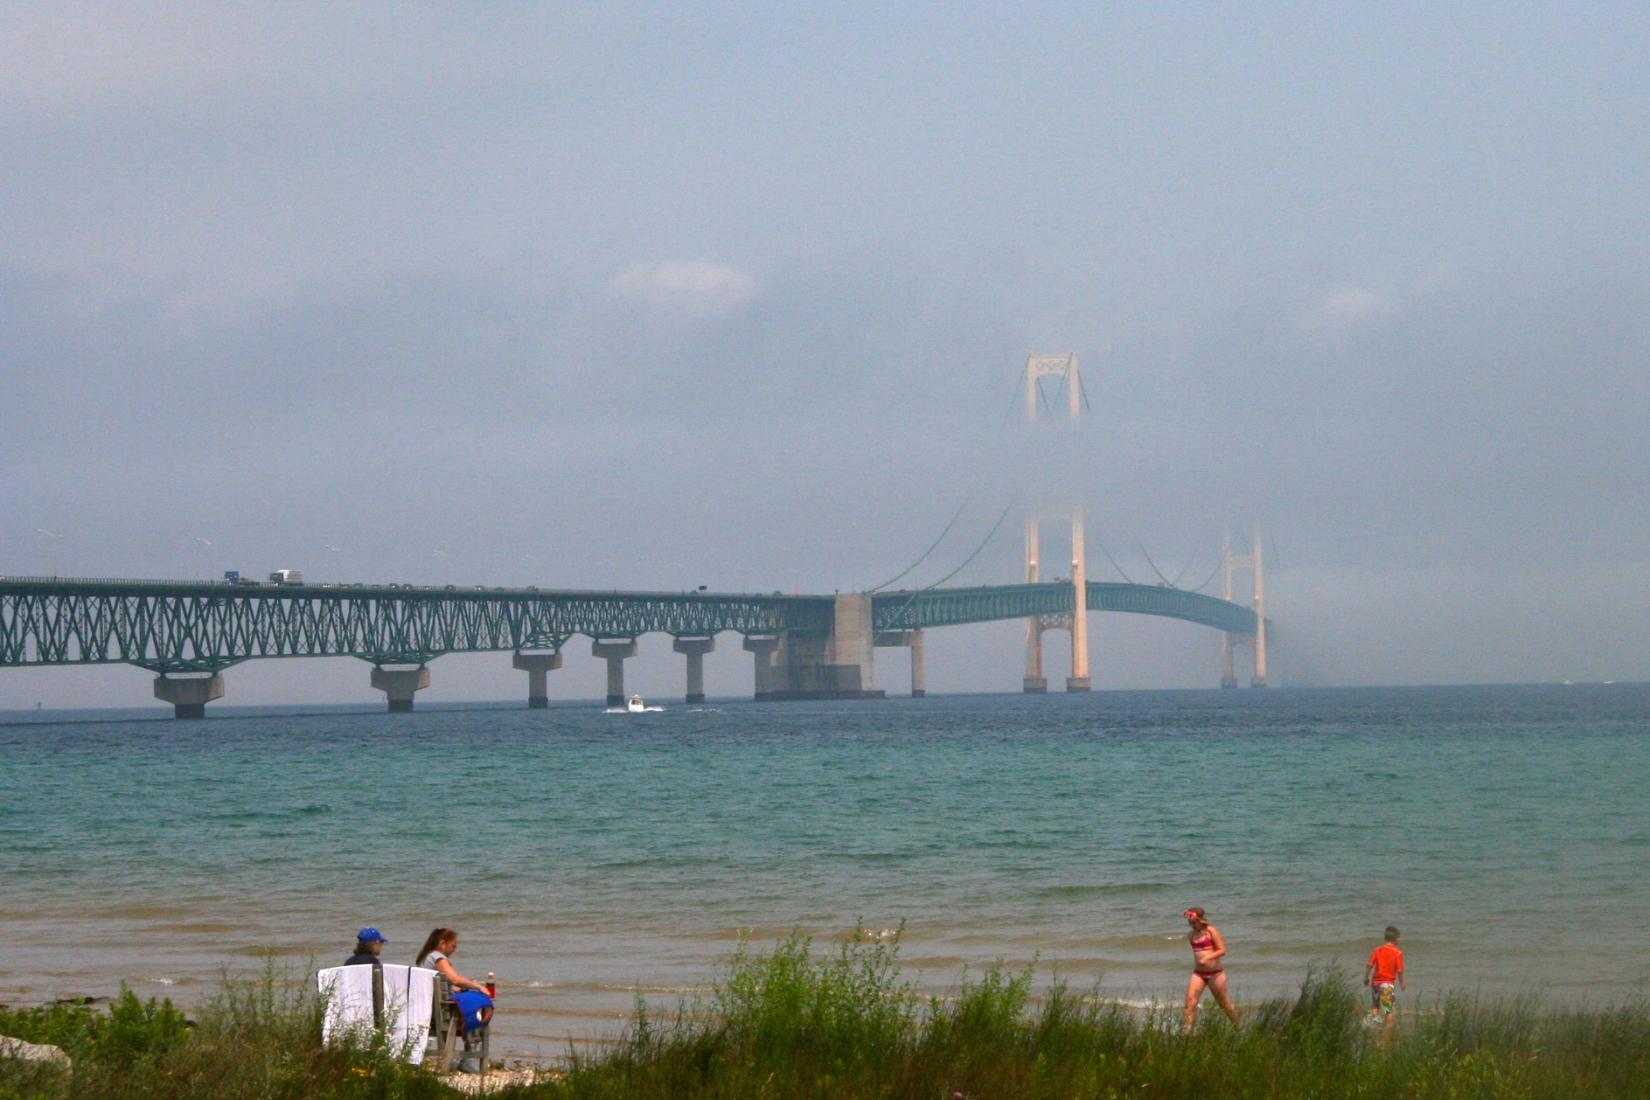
(409, 996)
(347, 991)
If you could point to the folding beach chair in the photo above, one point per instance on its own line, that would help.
(451, 1042)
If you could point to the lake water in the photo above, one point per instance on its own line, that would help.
(589, 858)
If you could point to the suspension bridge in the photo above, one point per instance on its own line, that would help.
(187, 633)
(804, 647)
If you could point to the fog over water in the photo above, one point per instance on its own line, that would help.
(650, 298)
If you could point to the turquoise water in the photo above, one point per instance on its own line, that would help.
(588, 858)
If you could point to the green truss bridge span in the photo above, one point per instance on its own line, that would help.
(803, 646)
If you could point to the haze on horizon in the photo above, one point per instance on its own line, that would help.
(650, 298)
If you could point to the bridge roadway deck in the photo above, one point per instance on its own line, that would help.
(206, 626)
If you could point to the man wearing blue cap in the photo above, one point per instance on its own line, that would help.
(368, 946)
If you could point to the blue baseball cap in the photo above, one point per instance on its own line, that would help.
(370, 935)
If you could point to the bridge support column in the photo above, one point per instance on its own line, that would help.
(919, 676)
(400, 684)
(763, 648)
(1035, 683)
(695, 649)
(189, 694)
(1231, 563)
(1079, 678)
(814, 664)
(1260, 618)
(1228, 674)
(538, 666)
(912, 640)
(614, 652)
(850, 651)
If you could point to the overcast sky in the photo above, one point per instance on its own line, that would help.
(657, 297)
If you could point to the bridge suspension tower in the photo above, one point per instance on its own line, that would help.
(1066, 381)
(1253, 564)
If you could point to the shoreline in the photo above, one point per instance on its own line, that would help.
(841, 1021)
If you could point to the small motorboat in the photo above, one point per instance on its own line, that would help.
(634, 705)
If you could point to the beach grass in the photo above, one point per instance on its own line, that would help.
(792, 1024)
(258, 1037)
(797, 1021)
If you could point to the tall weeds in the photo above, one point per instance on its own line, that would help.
(798, 1022)
(793, 1023)
(258, 1038)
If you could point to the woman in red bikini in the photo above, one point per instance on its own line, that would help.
(1208, 949)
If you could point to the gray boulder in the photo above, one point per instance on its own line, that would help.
(33, 1052)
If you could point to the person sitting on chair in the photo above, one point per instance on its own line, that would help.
(437, 955)
(470, 999)
(368, 946)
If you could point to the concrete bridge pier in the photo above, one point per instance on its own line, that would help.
(1228, 674)
(1079, 678)
(816, 664)
(763, 647)
(1034, 683)
(1260, 617)
(400, 684)
(912, 640)
(189, 694)
(537, 666)
(614, 651)
(695, 649)
(919, 675)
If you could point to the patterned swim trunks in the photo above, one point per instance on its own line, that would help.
(1384, 997)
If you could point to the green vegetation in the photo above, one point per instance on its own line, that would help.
(793, 1023)
(258, 1038)
(790, 1025)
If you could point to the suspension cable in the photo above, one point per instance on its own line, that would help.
(991, 534)
(1187, 568)
(931, 547)
(1210, 579)
(1113, 561)
(1153, 564)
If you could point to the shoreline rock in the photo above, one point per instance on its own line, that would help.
(33, 1052)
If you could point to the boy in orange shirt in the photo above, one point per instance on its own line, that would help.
(1384, 974)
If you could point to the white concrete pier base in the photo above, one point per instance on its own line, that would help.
(695, 649)
(919, 674)
(614, 652)
(400, 684)
(537, 666)
(189, 694)
(762, 649)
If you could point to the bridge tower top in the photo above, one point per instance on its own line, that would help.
(1067, 382)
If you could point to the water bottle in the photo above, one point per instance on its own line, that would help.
(492, 986)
